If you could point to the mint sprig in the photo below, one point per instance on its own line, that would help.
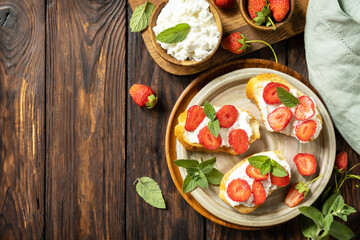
(265, 164)
(199, 174)
(213, 125)
(174, 34)
(287, 98)
(141, 17)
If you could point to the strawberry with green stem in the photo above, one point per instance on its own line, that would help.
(341, 162)
(264, 16)
(237, 43)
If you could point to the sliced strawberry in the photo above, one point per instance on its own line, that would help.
(341, 161)
(305, 163)
(280, 118)
(227, 116)
(255, 173)
(280, 181)
(293, 197)
(258, 192)
(208, 140)
(195, 115)
(238, 190)
(270, 93)
(305, 109)
(305, 130)
(239, 140)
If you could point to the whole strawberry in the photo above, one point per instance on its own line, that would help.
(341, 161)
(255, 6)
(279, 9)
(143, 96)
(224, 3)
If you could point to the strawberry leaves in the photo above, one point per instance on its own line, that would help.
(213, 125)
(199, 174)
(266, 164)
(264, 16)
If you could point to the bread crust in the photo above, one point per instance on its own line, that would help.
(242, 208)
(180, 128)
(255, 86)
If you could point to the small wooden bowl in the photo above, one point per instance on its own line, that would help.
(163, 53)
(247, 18)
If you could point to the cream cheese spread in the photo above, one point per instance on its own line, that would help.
(241, 173)
(203, 36)
(266, 109)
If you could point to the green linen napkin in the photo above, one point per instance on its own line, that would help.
(332, 46)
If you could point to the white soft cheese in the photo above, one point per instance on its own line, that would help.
(241, 173)
(242, 122)
(203, 36)
(266, 109)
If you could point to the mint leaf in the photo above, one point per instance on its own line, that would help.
(348, 210)
(214, 176)
(326, 209)
(174, 34)
(192, 171)
(141, 17)
(189, 184)
(257, 161)
(340, 231)
(214, 127)
(314, 214)
(208, 165)
(150, 191)
(187, 163)
(209, 110)
(202, 181)
(327, 221)
(308, 228)
(265, 167)
(287, 98)
(278, 170)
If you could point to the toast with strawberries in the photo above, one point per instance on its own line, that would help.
(237, 130)
(284, 108)
(245, 189)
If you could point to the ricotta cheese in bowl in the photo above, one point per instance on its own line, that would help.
(203, 37)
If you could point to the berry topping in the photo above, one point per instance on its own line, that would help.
(305, 109)
(255, 173)
(239, 140)
(305, 130)
(238, 190)
(258, 192)
(305, 163)
(227, 116)
(270, 95)
(280, 118)
(280, 181)
(195, 115)
(208, 140)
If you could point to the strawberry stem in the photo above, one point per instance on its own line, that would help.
(272, 23)
(260, 41)
(313, 180)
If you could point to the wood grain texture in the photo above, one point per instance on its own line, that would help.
(85, 120)
(22, 118)
(232, 21)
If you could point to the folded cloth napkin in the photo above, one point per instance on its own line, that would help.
(332, 46)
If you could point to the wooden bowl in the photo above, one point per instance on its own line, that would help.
(248, 20)
(163, 53)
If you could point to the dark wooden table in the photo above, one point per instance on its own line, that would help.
(72, 140)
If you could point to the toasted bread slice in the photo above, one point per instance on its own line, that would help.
(254, 90)
(191, 146)
(242, 208)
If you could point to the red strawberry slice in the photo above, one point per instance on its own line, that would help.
(239, 140)
(293, 197)
(258, 192)
(270, 93)
(255, 173)
(280, 118)
(195, 115)
(227, 116)
(208, 140)
(341, 161)
(305, 109)
(238, 190)
(305, 163)
(305, 130)
(280, 181)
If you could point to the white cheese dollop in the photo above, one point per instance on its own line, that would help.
(203, 36)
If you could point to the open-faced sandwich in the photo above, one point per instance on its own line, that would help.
(217, 129)
(284, 108)
(247, 185)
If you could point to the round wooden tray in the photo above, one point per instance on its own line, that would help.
(181, 105)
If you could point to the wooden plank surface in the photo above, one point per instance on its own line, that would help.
(22, 118)
(85, 120)
(232, 21)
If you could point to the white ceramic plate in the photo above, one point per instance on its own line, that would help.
(230, 89)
